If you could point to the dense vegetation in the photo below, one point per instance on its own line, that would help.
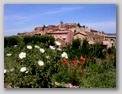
(39, 62)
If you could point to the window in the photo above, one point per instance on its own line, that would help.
(93, 38)
(64, 39)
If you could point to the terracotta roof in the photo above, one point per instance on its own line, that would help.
(83, 33)
(93, 30)
(110, 36)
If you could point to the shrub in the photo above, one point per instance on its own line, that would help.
(85, 48)
(11, 40)
(112, 50)
(48, 40)
(81, 68)
(76, 43)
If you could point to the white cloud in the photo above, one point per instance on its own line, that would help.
(62, 9)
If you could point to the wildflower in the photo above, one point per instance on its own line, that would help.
(73, 68)
(40, 63)
(75, 62)
(66, 62)
(52, 47)
(64, 54)
(57, 43)
(23, 69)
(22, 55)
(42, 50)
(90, 59)
(82, 58)
(15, 45)
(60, 61)
(26, 71)
(36, 46)
(81, 63)
(8, 54)
(103, 50)
(29, 47)
(11, 69)
(59, 49)
(48, 57)
(5, 70)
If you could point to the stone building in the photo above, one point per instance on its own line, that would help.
(66, 32)
(65, 37)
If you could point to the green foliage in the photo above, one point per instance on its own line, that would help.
(78, 25)
(85, 48)
(76, 43)
(15, 40)
(11, 41)
(49, 40)
(95, 71)
(112, 50)
(97, 50)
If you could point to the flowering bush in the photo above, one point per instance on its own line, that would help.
(38, 66)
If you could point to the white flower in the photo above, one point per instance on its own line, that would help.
(48, 57)
(29, 47)
(5, 70)
(12, 69)
(40, 63)
(36, 46)
(52, 47)
(64, 54)
(59, 49)
(57, 43)
(26, 71)
(23, 69)
(15, 45)
(42, 50)
(22, 55)
(8, 54)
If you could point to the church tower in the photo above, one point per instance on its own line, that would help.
(61, 24)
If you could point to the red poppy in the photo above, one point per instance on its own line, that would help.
(82, 58)
(90, 59)
(81, 63)
(60, 61)
(66, 62)
(75, 62)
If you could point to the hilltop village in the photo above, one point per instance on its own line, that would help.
(66, 32)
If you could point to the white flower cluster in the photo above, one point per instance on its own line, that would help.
(29, 47)
(52, 47)
(64, 55)
(40, 63)
(42, 50)
(24, 69)
(57, 43)
(22, 55)
(8, 54)
(36, 46)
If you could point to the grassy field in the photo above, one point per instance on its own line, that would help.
(39, 66)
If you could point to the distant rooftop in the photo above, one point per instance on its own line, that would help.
(112, 34)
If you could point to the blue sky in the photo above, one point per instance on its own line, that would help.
(20, 18)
